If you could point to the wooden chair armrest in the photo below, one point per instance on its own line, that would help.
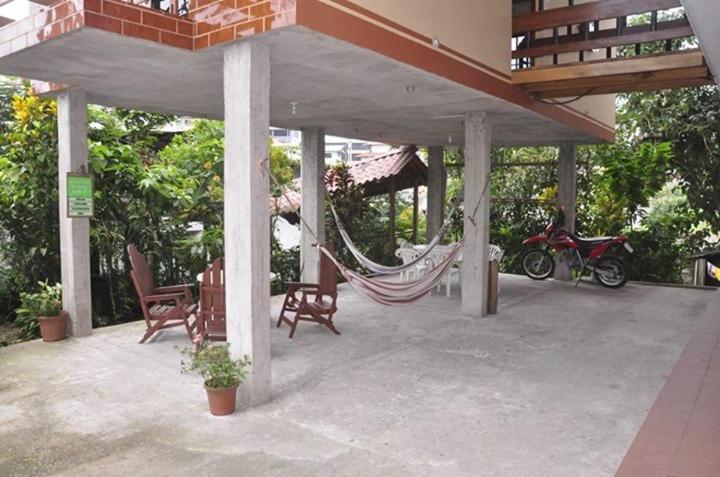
(317, 294)
(294, 287)
(174, 288)
(177, 297)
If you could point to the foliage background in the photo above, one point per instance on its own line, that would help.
(660, 184)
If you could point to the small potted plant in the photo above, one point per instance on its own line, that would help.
(46, 306)
(221, 373)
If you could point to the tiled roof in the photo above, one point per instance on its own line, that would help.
(382, 167)
(365, 173)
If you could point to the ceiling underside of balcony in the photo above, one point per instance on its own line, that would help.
(351, 91)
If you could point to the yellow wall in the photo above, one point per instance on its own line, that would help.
(479, 29)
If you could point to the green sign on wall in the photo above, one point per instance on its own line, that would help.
(79, 196)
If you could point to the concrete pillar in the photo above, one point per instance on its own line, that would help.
(312, 171)
(436, 186)
(247, 217)
(567, 194)
(477, 214)
(74, 233)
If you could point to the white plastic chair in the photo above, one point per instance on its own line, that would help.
(407, 254)
(495, 254)
(441, 251)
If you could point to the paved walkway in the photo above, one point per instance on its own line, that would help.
(558, 383)
(681, 434)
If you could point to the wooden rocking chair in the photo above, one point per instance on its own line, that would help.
(314, 302)
(211, 320)
(162, 307)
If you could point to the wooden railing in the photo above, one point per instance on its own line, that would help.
(584, 28)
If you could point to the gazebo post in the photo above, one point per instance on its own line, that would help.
(415, 214)
(74, 232)
(392, 243)
(246, 214)
(476, 226)
(435, 191)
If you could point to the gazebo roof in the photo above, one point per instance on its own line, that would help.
(375, 175)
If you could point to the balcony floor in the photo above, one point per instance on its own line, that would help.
(558, 383)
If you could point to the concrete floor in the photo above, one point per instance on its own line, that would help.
(557, 383)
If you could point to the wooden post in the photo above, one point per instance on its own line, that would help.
(415, 214)
(700, 272)
(493, 287)
(391, 213)
(436, 185)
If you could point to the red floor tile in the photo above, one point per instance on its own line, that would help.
(637, 471)
(688, 467)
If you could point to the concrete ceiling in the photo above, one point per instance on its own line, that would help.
(703, 16)
(351, 91)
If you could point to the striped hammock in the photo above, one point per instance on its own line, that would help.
(376, 267)
(393, 293)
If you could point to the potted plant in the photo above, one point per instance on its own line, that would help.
(46, 306)
(221, 373)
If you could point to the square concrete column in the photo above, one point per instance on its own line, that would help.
(312, 171)
(247, 213)
(476, 205)
(74, 233)
(436, 186)
(567, 194)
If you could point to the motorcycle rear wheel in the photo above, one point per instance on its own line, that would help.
(538, 264)
(616, 272)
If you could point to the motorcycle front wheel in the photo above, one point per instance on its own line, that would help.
(538, 264)
(610, 272)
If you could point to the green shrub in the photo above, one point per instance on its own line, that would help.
(216, 366)
(284, 264)
(45, 302)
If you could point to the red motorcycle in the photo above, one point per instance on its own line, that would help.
(579, 253)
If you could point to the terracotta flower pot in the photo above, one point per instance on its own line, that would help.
(222, 401)
(53, 328)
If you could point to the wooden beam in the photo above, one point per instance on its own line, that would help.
(608, 41)
(586, 12)
(604, 68)
(614, 80)
(629, 87)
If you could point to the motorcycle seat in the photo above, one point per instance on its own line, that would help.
(591, 240)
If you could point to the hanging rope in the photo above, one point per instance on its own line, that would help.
(377, 289)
